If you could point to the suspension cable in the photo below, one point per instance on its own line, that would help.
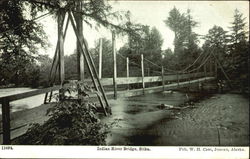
(203, 63)
(152, 63)
(129, 61)
(192, 63)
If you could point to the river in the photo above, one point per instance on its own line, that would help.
(135, 115)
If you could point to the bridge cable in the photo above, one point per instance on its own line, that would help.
(180, 71)
(203, 63)
(216, 59)
(183, 70)
(192, 63)
(131, 62)
(152, 63)
(174, 71)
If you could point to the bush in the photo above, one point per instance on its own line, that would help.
(71, 122)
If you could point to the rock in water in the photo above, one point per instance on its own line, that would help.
(170, 91)
(162, 106)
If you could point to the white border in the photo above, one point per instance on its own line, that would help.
(130, 152)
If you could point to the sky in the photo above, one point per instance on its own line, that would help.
(153, 13)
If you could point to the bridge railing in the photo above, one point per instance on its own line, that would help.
(148, 79)
(5, 101)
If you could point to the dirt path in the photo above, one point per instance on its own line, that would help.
(220, 120)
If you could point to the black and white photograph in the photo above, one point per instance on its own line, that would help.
(124, 76)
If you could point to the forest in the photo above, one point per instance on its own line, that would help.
(21, 37)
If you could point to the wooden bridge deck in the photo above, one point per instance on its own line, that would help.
(135, 92)
(140, 91)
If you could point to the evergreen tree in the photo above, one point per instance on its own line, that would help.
(153, 44)
(239, 50)
(169, 60)
(175, 22)
(185, 42)
(238, 29)
(148, 43)
(216, 41)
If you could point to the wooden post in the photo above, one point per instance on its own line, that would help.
(205, 70)
(61, 48)
(222, 69)
(55, 63)
(127, 59)
(188, 76)
(6, 121)
(178, 80)
(142, 73)
(197, 74)
(210, 66)
(45, 98)
(100, 59)
(215, 68)
(90, 66)
(114, 65)
(61, 51)
(79, 25)
(162, 76)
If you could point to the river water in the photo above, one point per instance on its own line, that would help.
(135, 116)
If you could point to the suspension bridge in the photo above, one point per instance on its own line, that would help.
(137, 81)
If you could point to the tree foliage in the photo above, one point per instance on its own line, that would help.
(185, 42)
(216, 41)
(169, 60)
(175, 22)
(238, 28)
(153, 44)
(148, 42)
(238, 64)
(231, 49)
(20, 39)
(107, 57)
